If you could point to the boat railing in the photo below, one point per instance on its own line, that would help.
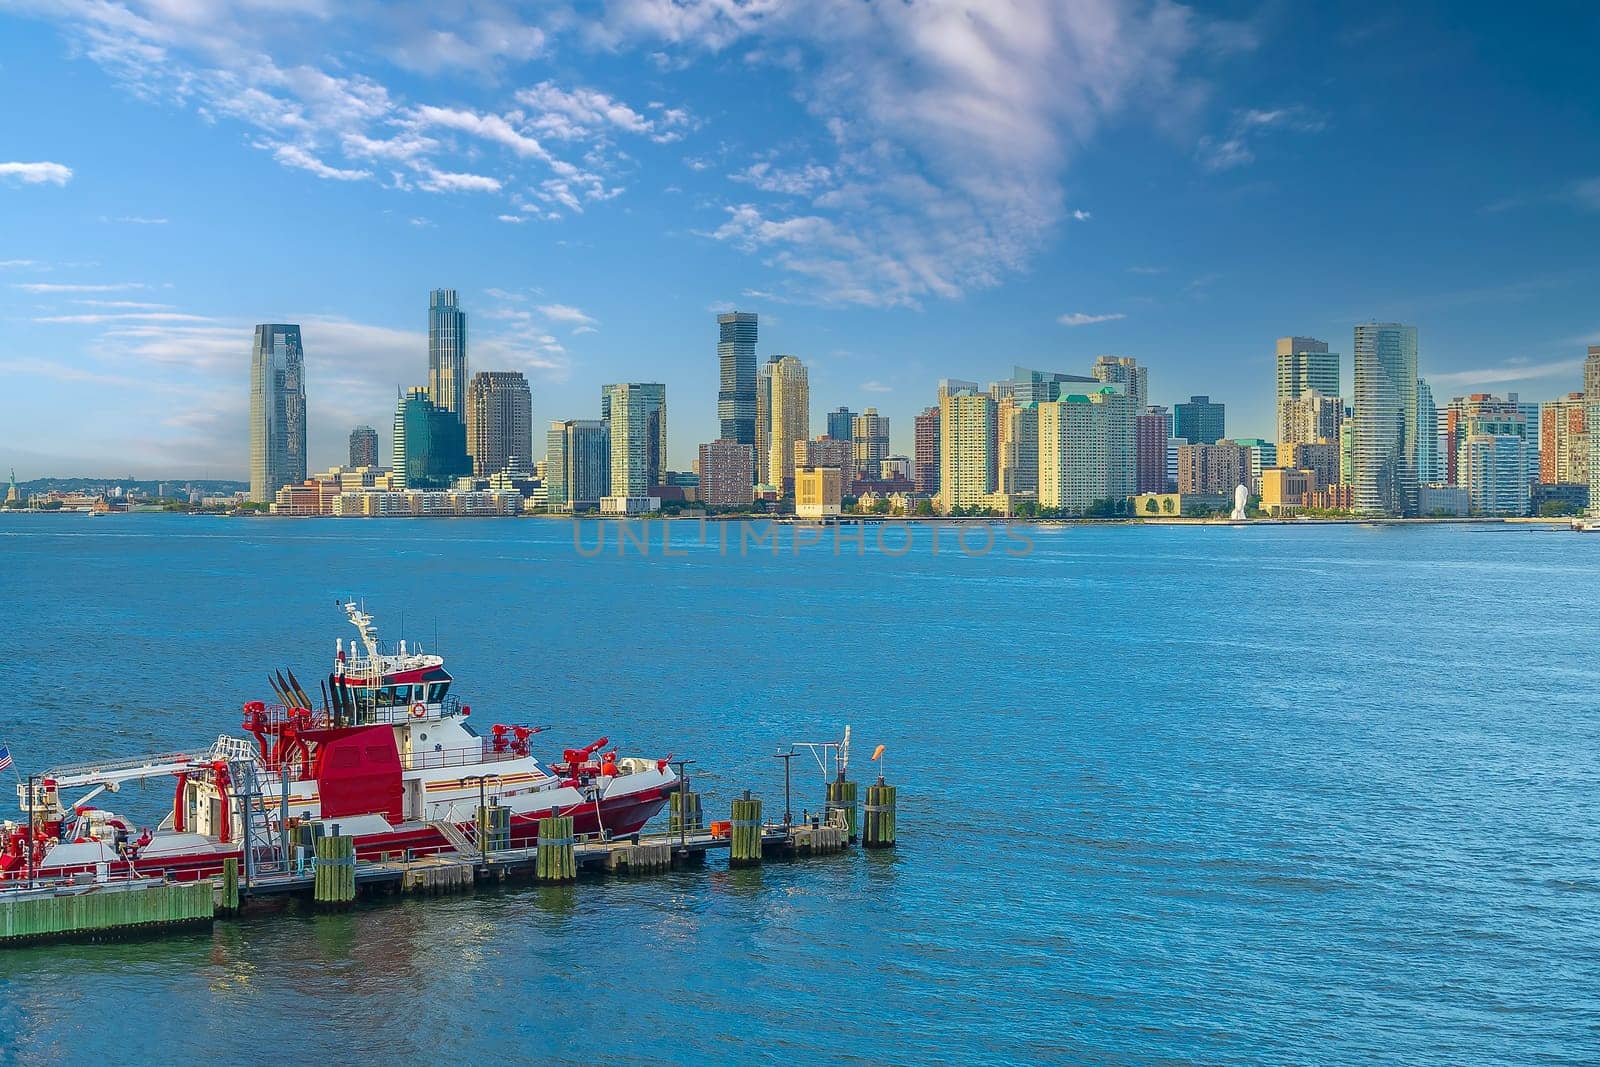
(459, 757)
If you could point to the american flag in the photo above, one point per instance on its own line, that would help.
(5, 758)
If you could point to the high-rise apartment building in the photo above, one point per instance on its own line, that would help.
(1386, 426)
(1017, 442)
(1428, 465)
(736, 399)
(831, 452)
(1591, 416)
(1199, 421)
(841, 424)
(1482, 414)
(1564, 442)
(968, 443)
(1086, 450)
(926, 471)
(1125, 372)
(1304, 365)
(727, 474)
(277, 411)
(1152, 429)
(447, 353)
(790, 419)
(870, 433)
(363, 447)
(1319, 457)
(635, 415)
(763, 442)
(1494, 472)
(577, 464)
(499, 421)
(430, 444)
(1036, 386)
(1216, 469)
(1311, 416)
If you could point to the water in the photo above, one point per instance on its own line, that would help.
(1270, 795)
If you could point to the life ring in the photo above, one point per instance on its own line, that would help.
(418, 710)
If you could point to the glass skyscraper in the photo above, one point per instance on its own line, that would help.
(1384, 452)
(841, 424)
(447, 353)
(635, 417)
(277, 411)
(736, 400)
(1200, 421)
(430, 444)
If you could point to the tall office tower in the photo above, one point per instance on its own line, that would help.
(363, 447)
(1086, 450)
(277, 411)
(790, 419)
(577, 467)
(763, 443)
(727, 474)
(1152, 429)
(1591, 416)
(841, 424)
(1199, 421)
(830, 452)
(1428, 466)
(447, 353)
(499, 421)
(1304, 365)
(870, 434)
(967, 446)
(927, 457)
(1564, 442)
(736, 400)
(635, 416)
(1311, 416)
(1126, 372)
(1017, 439)
(1386, 427)
(1036, 386)
(430, 444)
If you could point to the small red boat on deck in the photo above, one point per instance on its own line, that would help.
(390, 758)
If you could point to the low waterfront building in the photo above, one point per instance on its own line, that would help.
(404, 503)
(1285, 490)
(1572, 497)
(1444, 501)
(818, 492)
(1338, 497)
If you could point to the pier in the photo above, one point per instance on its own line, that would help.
(328, 874)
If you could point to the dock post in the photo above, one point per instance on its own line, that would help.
(842, 797)
(230, 885)
(335, 880)
(556, 860)
(686, 814)
(880, 816)
(745, 848)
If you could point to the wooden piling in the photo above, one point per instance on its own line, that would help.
(104, 910)
(686, 813)
(494, 828)
(556, 860)
(745, 850)
(230, 885)
(842, 797)
(335, 880)
(879, 825)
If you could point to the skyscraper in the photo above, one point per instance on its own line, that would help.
(447, 353)
(363, 447)
(967, 447)
(1427, 439)
(635, 415)
(1386, 427)
(1037, 386)
(927, 458)
(577, 464)
(1591, 397)
(869, 434)
(1152, 430)
(499, 421)
(790, 419)
(764, 422)
(841, 424)
(1564, 442)
(727, 474)
(1304, 365)
(1017, 446)
(736, 400)
(277, 411)
(1086, 450)
(430, 443)
(1199, 421)
(1126, 372)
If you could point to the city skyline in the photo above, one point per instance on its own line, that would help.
(551, 186)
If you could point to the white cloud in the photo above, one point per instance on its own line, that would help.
(1587, 193)
(70, 287)
(876, 387)
(37, 173)
(798, 181)
(566, 314)
(1079, 318)
(137, 220)
(125, 316)
(1081, 216)
(1509, 372)
(294, 156)
(1236, 147)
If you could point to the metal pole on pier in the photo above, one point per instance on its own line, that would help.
(31, 831)
(683, 803)
(788, 803)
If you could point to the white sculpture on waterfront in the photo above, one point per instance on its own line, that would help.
(1241, 497)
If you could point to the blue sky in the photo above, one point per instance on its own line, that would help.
(903, 191)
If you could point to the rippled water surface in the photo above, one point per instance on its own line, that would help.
(1257, 795)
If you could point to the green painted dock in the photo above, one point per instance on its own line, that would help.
(103, 910)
